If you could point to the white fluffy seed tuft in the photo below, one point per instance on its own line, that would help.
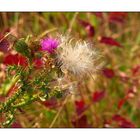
(77, 57)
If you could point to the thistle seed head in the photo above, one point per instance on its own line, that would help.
(78, 57)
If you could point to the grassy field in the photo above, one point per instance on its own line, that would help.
(111, 99)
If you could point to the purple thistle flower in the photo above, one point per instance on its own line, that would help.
(49, 44)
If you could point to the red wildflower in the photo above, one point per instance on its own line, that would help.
(89, 28)
(122, 102)
(81, 122)
(129, 94)
(109, 41)
(109, 73)
(136, 70)
(98, 95)
(123, 122)
(80, 106)
(15, 59)
(117, 17)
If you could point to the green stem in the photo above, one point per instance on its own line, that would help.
(7, 104)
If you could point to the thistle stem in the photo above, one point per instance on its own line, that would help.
(25, 102)
(7, 104)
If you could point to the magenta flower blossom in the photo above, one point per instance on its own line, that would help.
(49, 44)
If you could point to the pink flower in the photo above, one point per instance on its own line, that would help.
(49, 44)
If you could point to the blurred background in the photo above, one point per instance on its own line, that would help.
(113, 98)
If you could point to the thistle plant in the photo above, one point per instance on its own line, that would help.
(37, 70)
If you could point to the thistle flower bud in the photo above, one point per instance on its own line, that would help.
(22, 48)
